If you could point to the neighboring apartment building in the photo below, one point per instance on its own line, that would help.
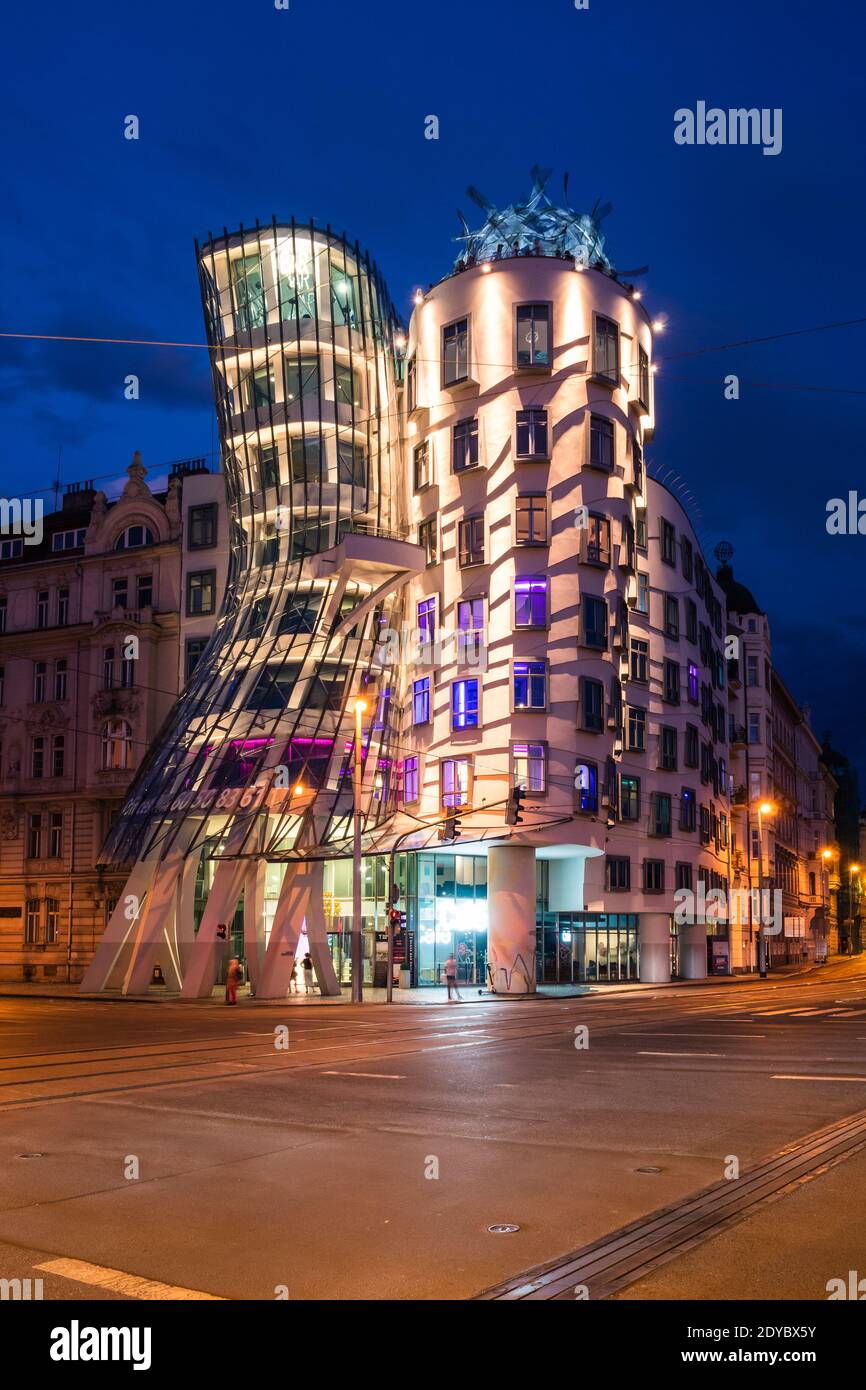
(784, 836)
(89, 668)
(501, 495)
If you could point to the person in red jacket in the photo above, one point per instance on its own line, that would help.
(233, 979)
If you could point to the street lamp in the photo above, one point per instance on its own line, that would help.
(357, 936)
(765, 808)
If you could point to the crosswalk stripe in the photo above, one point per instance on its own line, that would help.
(118, 1282)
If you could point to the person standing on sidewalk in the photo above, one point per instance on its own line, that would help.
(450, 971)
(233, 979)
(307, 964)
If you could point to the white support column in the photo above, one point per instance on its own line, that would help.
(655, 947)
(254, 920)
(201, 972)
(511, 923)
(693, 951)
(301, 901)
(108, 966)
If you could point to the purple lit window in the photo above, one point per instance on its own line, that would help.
(411, 779)
(530, 601)
(464, 704)
(455, 781)
(530, 685)
(421, 701)
(694, 681)
(427, 620)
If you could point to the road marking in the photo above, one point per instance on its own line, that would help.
(784, 1077)
(118, 1282)
(641, 1033)
(374, 1075)
(681, 1054)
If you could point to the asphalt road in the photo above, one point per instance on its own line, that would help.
(186, 1146)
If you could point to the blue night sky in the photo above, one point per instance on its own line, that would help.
(319, 111)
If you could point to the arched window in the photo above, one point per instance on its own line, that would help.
(134, 536)
(116, 745)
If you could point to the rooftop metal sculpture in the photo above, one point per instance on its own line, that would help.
(536, 226)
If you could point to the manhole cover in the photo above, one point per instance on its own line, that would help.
(648, 1170)
(503, 1230)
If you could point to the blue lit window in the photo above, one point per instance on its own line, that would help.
(464, 704)
(421, 701)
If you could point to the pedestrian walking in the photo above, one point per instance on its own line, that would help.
(234, 975)
(450, 971)
(307, 966)
(293, 983)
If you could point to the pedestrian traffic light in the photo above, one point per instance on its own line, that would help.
(514, 807)
(222, 932)
(449, 832)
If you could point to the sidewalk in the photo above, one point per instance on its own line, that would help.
(431, 995)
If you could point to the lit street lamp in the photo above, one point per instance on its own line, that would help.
(357, 936)
(765, 808)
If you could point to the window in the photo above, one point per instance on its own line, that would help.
(688, 809)
(464, 448)
(687, 558)
(421, 701)
(269, 473)
(530, 601)
(637, 467)
(2, 685)
(672, 682)
(347, 385)
(144, 590)
(455, 775)
(639, 660)
(119, 592)
(42, 608)
(455, 352)
(11, 549)
(116, 745)
(636, 729)
(421, 465)
(68, 540)
(37, 756)
(464, 704)
(34, 836)
(300, 612)
(62, 607)
(672, 616)
(58, 755)
(653, 875)
(301, 382)
(40, 669)
(529, 767)
(605, 350)
(55, 835)
(629, 798)
(306, 458)
(470, 541)
(684, 876)
(643, 593)
(601, 442)
(200, 592)
(249, 295)
(668, 542)
(668, 749)
(532, 434)
(411, 779)
(133, 537)
(586, 788)
(194, 648)
(643, 378)
(427, 540)
(691, 620)
(202, 526)
(594, 622)
(3, 612)
(530, 685)
(694, 683)
(531, 519)
(470, 630)
(52, 919)
(426, 613)
(533, 335)
(618, 874)
(592, 704)
(31, 922)
(752, 670)
(596, 540)
(754, 728)
(107, 668)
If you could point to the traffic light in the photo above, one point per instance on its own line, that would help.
(449, 832)
(514, 807)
